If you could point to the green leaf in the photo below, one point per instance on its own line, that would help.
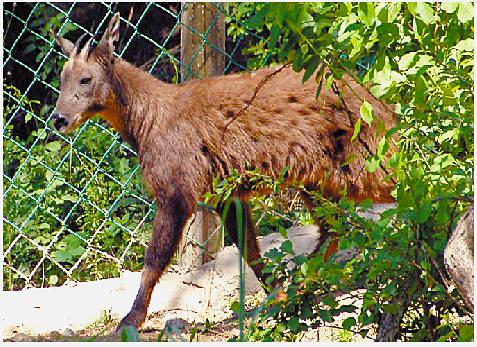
(330, 301)
(360, 239)
(283, 172)
(29, 48)
(325, 315)
(390, 308)
(70, 197)
(423, 213)
(293, 324)
(366, 111)
(329, 82)
(28, 117)
(465, 45)
(447, 136)
(366, 13)
(466, 333)
(393, 161)
(426, 12)
(39, 57)
(287, 247)
(298, 61)
(256, 22)
(357, 129)
(304, 269)
(406, 60)
(412, 6)
(61, 256)
(310, 67)
(366, 203)
(319, 211)
(393, 11)
(372, 164)
(379, 90)
(74, 252)
(274, 34)
(343, 243)
(382, 148)
(420, 92)
(348, 323)
(449, 7)
(235, 307)
(52, 280)
(69, 26)
(387, 33)
(466, 12)
(442, 214)
(319, 79)
(53, 146)
(43, 226)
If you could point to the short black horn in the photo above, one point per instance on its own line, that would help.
(77, 45)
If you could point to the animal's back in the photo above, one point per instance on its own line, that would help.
(275, 122)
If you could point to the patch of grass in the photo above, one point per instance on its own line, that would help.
(345, 336)
(104, 320)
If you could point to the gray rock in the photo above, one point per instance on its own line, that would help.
(459, 257)
(176, 326)
(21, 337)
(68, 332)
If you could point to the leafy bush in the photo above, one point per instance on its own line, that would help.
(418, 57)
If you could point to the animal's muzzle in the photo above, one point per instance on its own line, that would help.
(59, 121)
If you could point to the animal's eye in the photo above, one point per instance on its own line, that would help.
(85, 80)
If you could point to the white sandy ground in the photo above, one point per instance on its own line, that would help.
(193, 296)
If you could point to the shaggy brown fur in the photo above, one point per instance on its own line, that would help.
(184, 138)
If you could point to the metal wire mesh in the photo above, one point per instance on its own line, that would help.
(74, 206)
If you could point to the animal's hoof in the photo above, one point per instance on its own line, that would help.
(119, 328)
(127, 323)
(134, 319)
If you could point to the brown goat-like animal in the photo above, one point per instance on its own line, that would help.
(186, 135)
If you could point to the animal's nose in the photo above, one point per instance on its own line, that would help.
(59, 120)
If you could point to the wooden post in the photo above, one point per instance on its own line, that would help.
(199, 59)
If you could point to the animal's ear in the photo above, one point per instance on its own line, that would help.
(66, 45)
(112, 32)
(105, 48)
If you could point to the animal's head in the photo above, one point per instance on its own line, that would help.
(85, 80)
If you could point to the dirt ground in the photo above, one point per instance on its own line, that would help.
(193, 305)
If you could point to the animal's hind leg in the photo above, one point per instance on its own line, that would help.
(251, 251)
(325, 234)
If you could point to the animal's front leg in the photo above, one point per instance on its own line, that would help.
(171, 216)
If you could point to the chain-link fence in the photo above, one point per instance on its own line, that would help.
(74, 206)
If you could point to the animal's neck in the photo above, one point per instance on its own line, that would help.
(137, 102)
